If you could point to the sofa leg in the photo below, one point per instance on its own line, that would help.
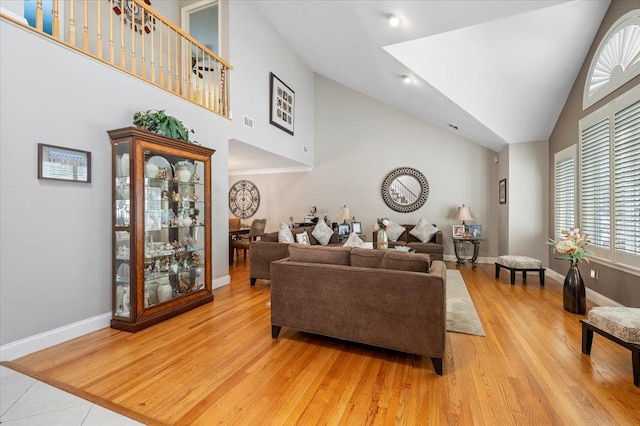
(253, 281)
(437, 365)
(497, 271)
(587, 339)
(275, 331)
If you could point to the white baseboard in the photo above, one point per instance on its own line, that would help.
(222, 281)
(592, 295)
(452, 258)
(22, 347)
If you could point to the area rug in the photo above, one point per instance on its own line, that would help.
(461, 314)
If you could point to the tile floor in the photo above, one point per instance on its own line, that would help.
(26, 401)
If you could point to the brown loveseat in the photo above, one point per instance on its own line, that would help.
(433, 248)
(375, 297)
(268, 249)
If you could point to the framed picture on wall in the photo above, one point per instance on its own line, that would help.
(282, 106)
(59, 163)
(502, 191)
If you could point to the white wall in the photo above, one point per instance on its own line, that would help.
(528, 220)
(55, 250)
(503, 209)
(358, 142)
(256, 50)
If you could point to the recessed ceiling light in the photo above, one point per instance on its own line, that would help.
(395, 20)
(407, 79)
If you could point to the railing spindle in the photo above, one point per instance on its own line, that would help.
(99, 29)
(56, 20)
(143, 65)
(153, 64)
(85, 27)
(39, 17)
(175, 70)
(133, 43)
(111, 43)
(123, 64)
(72, 24)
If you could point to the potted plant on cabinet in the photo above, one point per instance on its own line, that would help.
(158, 121)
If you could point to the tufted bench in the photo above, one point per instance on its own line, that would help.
(520, 263)
(618, 324)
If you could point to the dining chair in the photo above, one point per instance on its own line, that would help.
(242, 242)
(234, 222)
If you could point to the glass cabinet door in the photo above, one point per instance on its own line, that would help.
(122, 237)
(173, 228)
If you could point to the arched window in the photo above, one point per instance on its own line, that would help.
(617, 59)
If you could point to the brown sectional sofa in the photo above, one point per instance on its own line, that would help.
(268, 249)
(433, 248)
(350, 294)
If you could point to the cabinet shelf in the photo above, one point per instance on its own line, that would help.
(162, 282)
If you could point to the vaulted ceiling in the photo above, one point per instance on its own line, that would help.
(500, 71)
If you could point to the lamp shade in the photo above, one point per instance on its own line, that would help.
(464, 213)
(344, 214)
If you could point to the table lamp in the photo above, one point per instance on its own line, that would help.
(464, 213)
(344, 214)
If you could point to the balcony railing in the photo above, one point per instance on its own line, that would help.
(133, 37)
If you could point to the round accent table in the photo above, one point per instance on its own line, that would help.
(458, 246)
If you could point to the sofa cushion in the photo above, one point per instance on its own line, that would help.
(366, 258)
(354, 241)
(424, 230)
(399, 261)
(322, 232)
(394, 231)
(285, 235)
(303, 238)
(271, 237)
(320, 254)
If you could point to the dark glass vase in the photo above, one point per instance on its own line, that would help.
(574, 293)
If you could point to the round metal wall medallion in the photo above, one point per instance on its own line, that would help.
(244, 199)
(405, 190)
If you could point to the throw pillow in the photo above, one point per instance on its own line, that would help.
(322, 232)
(303, 238)
(284, 234)
(354, 241)
(424, 230)
(394, 231)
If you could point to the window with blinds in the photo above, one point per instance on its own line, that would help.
(595, 180)
(609, 200)
(626, 193)
(565, 191)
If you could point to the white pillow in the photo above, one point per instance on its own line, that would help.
(322, 232)
(394, 231)
(284, 234)
(355, 241)
(303, 238)
(424, 230)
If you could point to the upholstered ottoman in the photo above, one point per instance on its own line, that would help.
(618, 324)
(520, 263)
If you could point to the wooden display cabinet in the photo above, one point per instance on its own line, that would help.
(161, 227)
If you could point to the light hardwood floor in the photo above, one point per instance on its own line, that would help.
(219, 364)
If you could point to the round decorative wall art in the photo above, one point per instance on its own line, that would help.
(405, 190)
(244, 199)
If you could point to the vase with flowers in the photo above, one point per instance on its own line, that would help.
(572, 247)
(381, 226)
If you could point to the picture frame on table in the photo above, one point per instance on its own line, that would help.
(502, 191)
(357, 227)
(343, 229)
(282, 104)
(66, 164)
(457, 231)
(475, 231)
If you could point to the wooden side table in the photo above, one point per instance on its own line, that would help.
(459, 249)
